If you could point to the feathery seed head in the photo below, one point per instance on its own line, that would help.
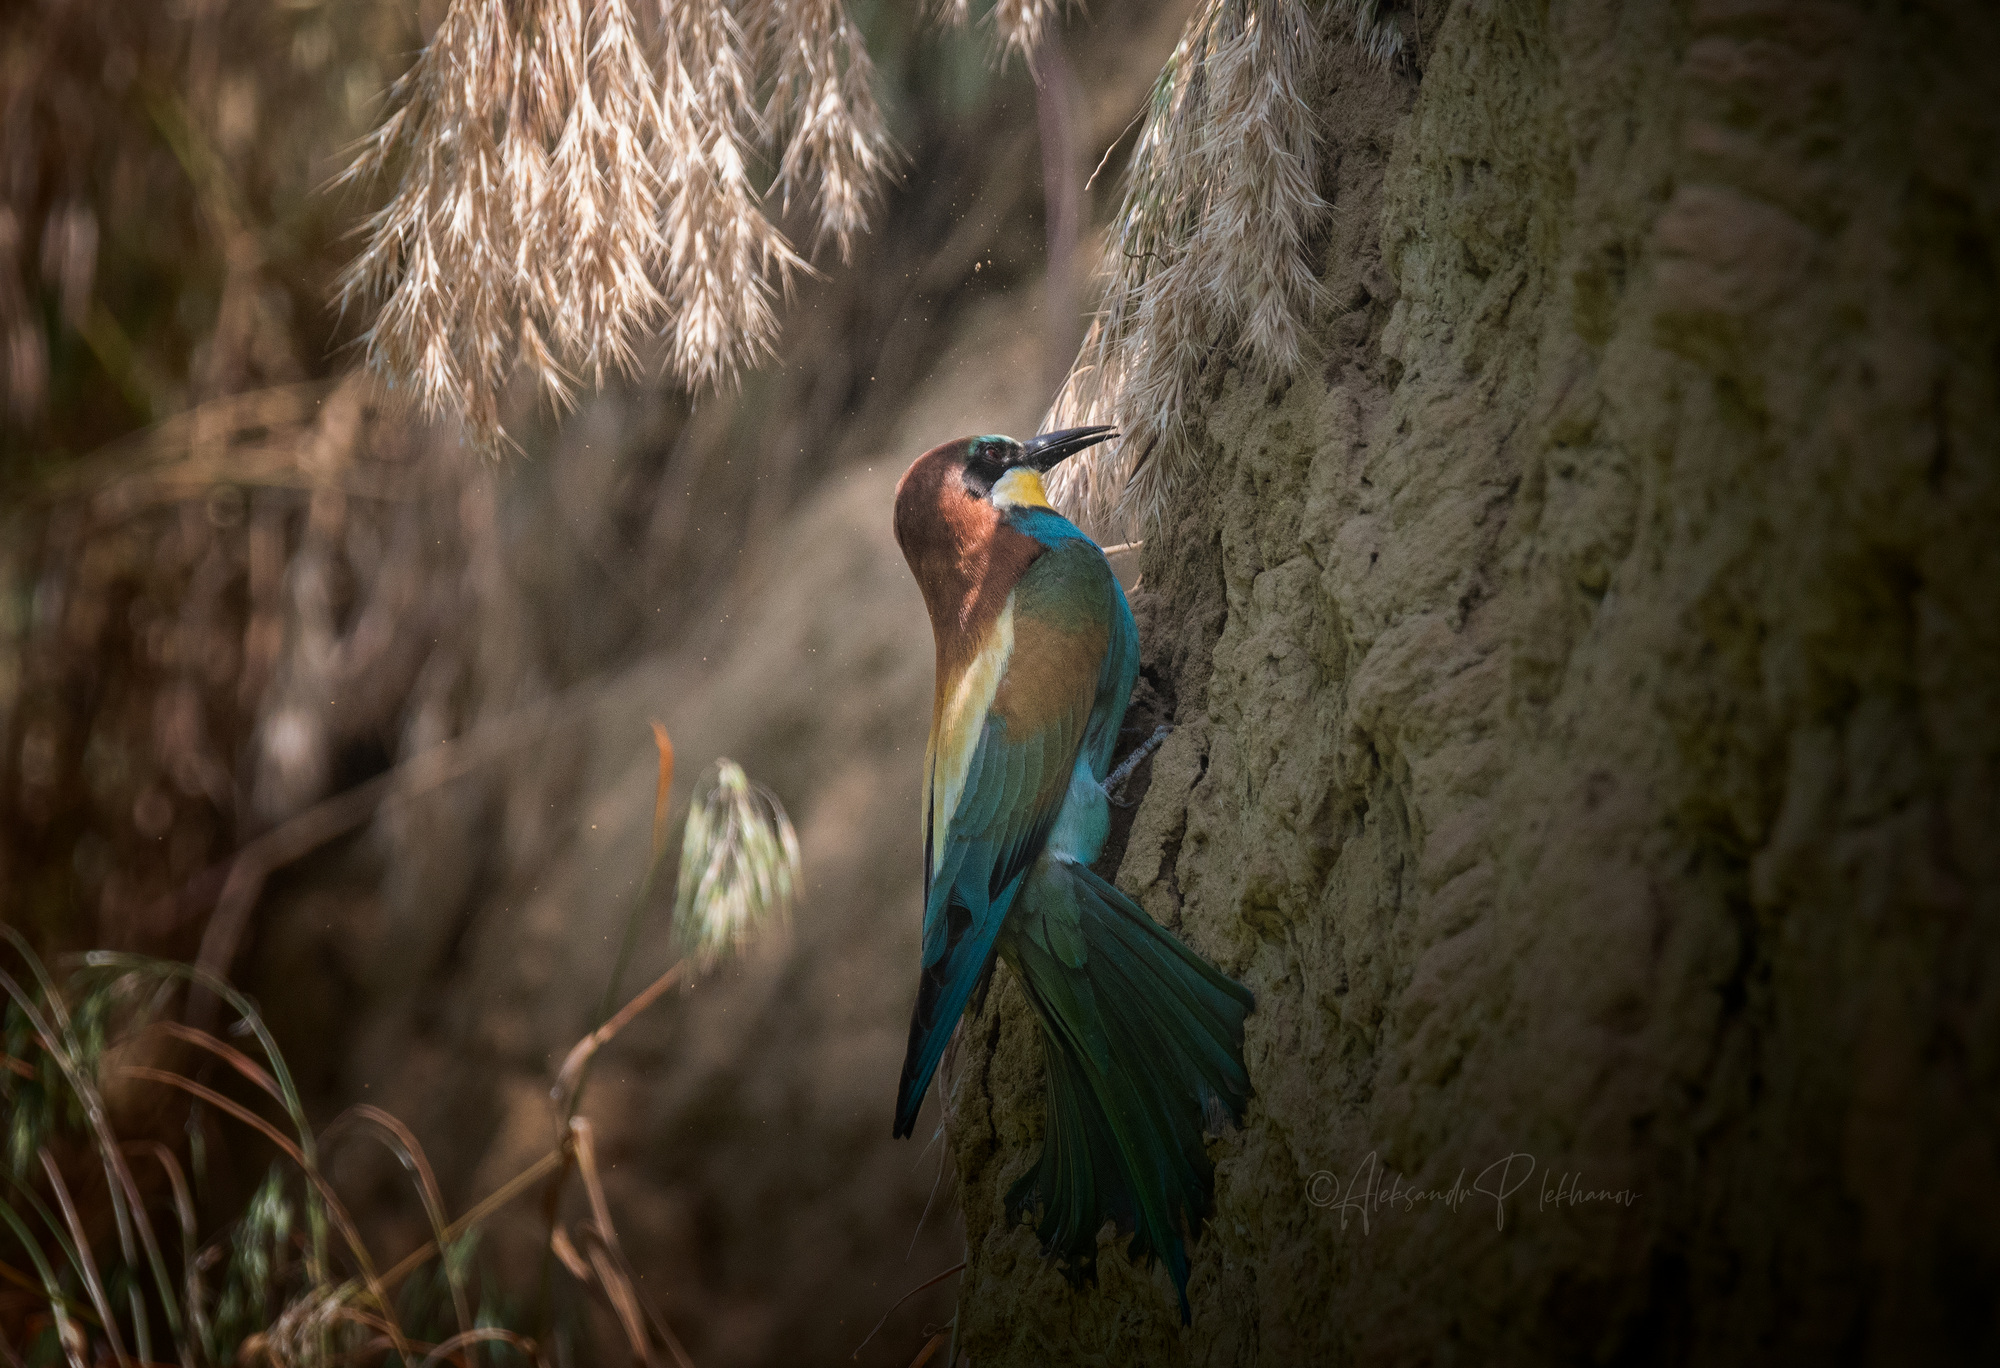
(739, 864)
(1206, 258)
(574, 176)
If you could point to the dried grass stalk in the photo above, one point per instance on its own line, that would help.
(24, 358)
(1207, 256)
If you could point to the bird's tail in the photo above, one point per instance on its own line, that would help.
(1143, 1040)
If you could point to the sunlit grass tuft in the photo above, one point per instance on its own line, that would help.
(289, 1280)
(739, 865)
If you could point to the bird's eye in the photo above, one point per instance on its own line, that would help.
(986, 461)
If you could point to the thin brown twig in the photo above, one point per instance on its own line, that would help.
(605, 1248)
(958, 1267)
(580, 1053)
(496, 1199)
(618, 1291)
(654, 1317)
(605, 1258)
(324, 821)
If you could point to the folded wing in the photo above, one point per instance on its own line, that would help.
(997, 782)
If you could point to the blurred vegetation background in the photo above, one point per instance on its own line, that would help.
(296, 685)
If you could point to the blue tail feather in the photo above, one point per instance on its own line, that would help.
(1124, 1142)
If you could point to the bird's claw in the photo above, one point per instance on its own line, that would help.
(1132, 762)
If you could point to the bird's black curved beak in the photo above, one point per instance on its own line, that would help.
(1041, 453)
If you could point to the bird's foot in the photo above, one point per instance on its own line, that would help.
(1132, 762)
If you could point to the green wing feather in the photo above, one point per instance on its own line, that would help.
(1015, 783)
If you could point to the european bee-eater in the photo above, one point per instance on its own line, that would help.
(1037, 653)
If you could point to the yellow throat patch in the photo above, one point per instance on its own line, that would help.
(1020, 488)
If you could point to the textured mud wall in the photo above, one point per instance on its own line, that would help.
(1587, 727)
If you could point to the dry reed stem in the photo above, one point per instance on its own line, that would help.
(607, 1259)
(580, 1054)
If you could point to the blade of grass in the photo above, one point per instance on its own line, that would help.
(58, 1232)
(27, 1284)
(228, 1053)
(399, 1140)
(61, 1049)
(41, 973)
(66, 1331)
(333, 1207)
(127, 1204)
(121, 1215)
(661, 790)
(86, 1264)
(215, 1099)
(184, 1209)
(569, 1081)
(287, 1093)
(281, 1075)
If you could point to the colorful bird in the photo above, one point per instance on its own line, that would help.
(1037, 653)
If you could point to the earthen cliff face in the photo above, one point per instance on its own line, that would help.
(1587, 726)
